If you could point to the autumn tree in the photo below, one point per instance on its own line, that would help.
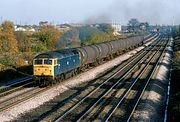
(24, 41)
(8, 38)
(49, 35)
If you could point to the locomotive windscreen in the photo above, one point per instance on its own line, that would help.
(37, 61)
(49, 62)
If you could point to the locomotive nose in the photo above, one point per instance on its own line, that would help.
(45, 71)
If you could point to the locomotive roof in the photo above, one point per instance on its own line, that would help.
(58, 53)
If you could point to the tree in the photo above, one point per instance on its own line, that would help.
(8, 38)
(98, 38)
(133, 25)
(144, 26)
(86, 31)
(49, 35)
(69, 39)
(24, 42)
(106, 28)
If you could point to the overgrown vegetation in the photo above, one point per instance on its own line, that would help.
(174, 105)
(96, 34)
(87, 35)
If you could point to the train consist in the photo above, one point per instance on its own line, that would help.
(54, 66)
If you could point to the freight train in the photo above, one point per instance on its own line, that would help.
(55, 66)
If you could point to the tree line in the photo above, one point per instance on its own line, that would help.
(14, 42)
(18, 46)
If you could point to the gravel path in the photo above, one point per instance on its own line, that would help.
(14, 112)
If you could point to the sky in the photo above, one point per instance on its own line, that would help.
(163, 12)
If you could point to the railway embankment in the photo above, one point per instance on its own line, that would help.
(174, 103)
(154, 103)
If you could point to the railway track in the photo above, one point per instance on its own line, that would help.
(17, 99)
(69, 106)
(103, 106)
(16, 85)
(128, 102)
(18, 92)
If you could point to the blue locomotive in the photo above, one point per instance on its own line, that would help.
(54, 66)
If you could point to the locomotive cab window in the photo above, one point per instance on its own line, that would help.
(37, 61)
(48, 62)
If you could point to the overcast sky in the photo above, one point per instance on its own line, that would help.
(90, 11)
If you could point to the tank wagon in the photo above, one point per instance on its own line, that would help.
(54, 66)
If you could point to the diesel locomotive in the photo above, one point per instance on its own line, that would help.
(55, 66)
